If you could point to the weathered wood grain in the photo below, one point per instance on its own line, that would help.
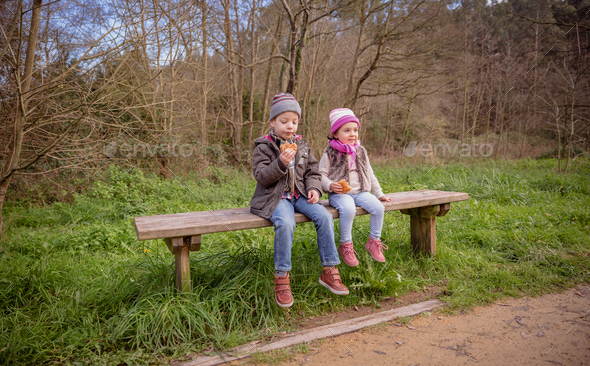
(183, 270)
(309, 335)
(181, 248)
(444, 209)
(423, 212)
(193, 242)
(423, 235)
(174, 244)
(215, 221)
(423, 227)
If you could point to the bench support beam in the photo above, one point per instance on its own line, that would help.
(181, 248)
(423, 227)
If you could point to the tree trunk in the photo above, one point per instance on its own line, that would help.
(239, 89)
(13, 24)
(476, 109)
(234, 103)
(251, 107)
(298, 53)
(254, 53)
(204, 59)
(22, 103)
(349, 102)
(273, 51)
(292, 56)
(570, 138)
(283, 67)
(558, 143)
(296, 45)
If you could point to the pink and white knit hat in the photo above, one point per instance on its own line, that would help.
(340, 117)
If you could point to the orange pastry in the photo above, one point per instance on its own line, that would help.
(288, 146)
(345, 187)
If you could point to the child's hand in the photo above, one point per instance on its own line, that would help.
(287, 155)
(336, 187)
(384, 199)
(313, 196)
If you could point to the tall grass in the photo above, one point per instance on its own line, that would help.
(76, 287)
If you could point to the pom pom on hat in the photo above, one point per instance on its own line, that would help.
(283, 102)
(340, 117)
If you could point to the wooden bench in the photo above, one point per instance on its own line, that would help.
(182, 232)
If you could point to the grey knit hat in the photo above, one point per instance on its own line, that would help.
(284, 102)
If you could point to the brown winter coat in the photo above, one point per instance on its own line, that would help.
(271, 175)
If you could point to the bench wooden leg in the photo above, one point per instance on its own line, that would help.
(181, 248)
(423, 235)
(183, 270)
(423, 227)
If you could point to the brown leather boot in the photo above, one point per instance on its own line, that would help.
(283, 295)
(330, 279)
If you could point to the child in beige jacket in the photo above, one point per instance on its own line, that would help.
(345, 159)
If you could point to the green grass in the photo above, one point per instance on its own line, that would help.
(76, 287)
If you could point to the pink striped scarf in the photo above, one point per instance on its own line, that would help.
(345, 148)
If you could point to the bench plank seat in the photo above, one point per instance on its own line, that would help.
(182, 232)
(216, 221)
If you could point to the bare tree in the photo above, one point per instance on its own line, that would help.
(14, 162)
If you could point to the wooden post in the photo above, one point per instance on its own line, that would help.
(183, 270)
(423, 227)
(181, 248)
(423, 235)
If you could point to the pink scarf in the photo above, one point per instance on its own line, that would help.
(345, 148)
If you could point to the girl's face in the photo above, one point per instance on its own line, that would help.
(348, 133)
(285, 125)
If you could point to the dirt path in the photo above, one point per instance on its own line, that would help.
(550, 330)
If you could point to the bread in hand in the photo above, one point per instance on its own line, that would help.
(345, 187)
(288, 146)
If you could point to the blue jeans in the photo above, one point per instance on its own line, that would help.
(283, 219)
(346, 205)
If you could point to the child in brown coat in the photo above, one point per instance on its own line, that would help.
(288, 181)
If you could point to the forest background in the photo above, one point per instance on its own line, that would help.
(116, 109)
(174, 86)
